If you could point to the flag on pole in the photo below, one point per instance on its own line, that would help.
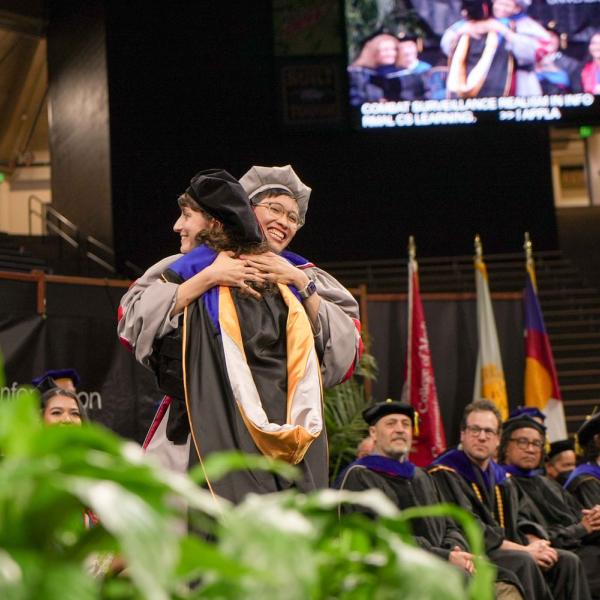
(419, 380)
(541, 381)
(489, 375)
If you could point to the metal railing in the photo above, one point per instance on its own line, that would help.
(87, 247)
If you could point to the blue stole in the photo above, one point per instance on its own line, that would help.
(518, 472)
(203, 256)
(458, 461)
(585, 469)
(380, 464)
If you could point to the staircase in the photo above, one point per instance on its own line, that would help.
(14, 256)
(571, 308)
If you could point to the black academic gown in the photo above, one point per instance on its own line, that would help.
(585, 487)
(191, 368)
(494, 502)
(560, 515)
(438, 535)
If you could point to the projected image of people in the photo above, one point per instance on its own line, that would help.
(590, 75)
(387, 69)
(422, 54)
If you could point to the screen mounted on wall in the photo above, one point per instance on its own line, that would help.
(415, 63)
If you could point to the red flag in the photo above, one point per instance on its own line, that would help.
(419, 385)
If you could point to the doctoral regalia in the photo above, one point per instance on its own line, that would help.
(249, 380)
(480, 67)
(560, 515)
(584, 484)
(406, 486)
(493, 500)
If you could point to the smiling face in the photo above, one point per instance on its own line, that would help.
(190, 223)
(386, 52)
(480, 438)
(502, 9)
(279, 231)
(524, 448)
(392, 436)
(408, 54)
(61, 410)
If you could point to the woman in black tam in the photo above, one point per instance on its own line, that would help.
(240, 368)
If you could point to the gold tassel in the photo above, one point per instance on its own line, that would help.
(577, 446)
(416, 424)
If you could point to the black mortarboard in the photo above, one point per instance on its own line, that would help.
(590, 427)
(529, 411)
(559, 446)
(520, 421)
(52, 379)
(563, 36)
(390, 407)
(222, 197)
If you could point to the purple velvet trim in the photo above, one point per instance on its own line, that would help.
(518, 472)
(585, 469)
(459, 462)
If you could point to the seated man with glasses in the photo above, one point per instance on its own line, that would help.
(470, 478)
(567, 524)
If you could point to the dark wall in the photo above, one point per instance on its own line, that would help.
(78, 116)
(195, 85)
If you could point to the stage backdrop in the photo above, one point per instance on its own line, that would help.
(452, 329)
(79, 330)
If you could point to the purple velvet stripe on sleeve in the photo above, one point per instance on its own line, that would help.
(193, 262)
(585, 469)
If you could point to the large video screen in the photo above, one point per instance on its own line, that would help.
(421, 63)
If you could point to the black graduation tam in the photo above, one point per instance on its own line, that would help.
(53, 378)
(559, 446)
(222, 197)
(390, 407)
(590, 427)
(529, 411)
(519, 422)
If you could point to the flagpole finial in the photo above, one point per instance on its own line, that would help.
(478, 247)
(412, 248)
(528, 247)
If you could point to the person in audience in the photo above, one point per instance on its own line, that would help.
(60, 406)
(388, 469)
(590, 74)
(567, 525)
(561, 460)
(584, 481)
(470, 478)
(67, 379)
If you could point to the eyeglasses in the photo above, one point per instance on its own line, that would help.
(475, 431)
(278, 210)
(524, 443)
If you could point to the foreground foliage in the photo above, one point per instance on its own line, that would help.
(279, 546)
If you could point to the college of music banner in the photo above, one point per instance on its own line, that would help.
(419, 388)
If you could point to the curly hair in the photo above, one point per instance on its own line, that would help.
(368, 54)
